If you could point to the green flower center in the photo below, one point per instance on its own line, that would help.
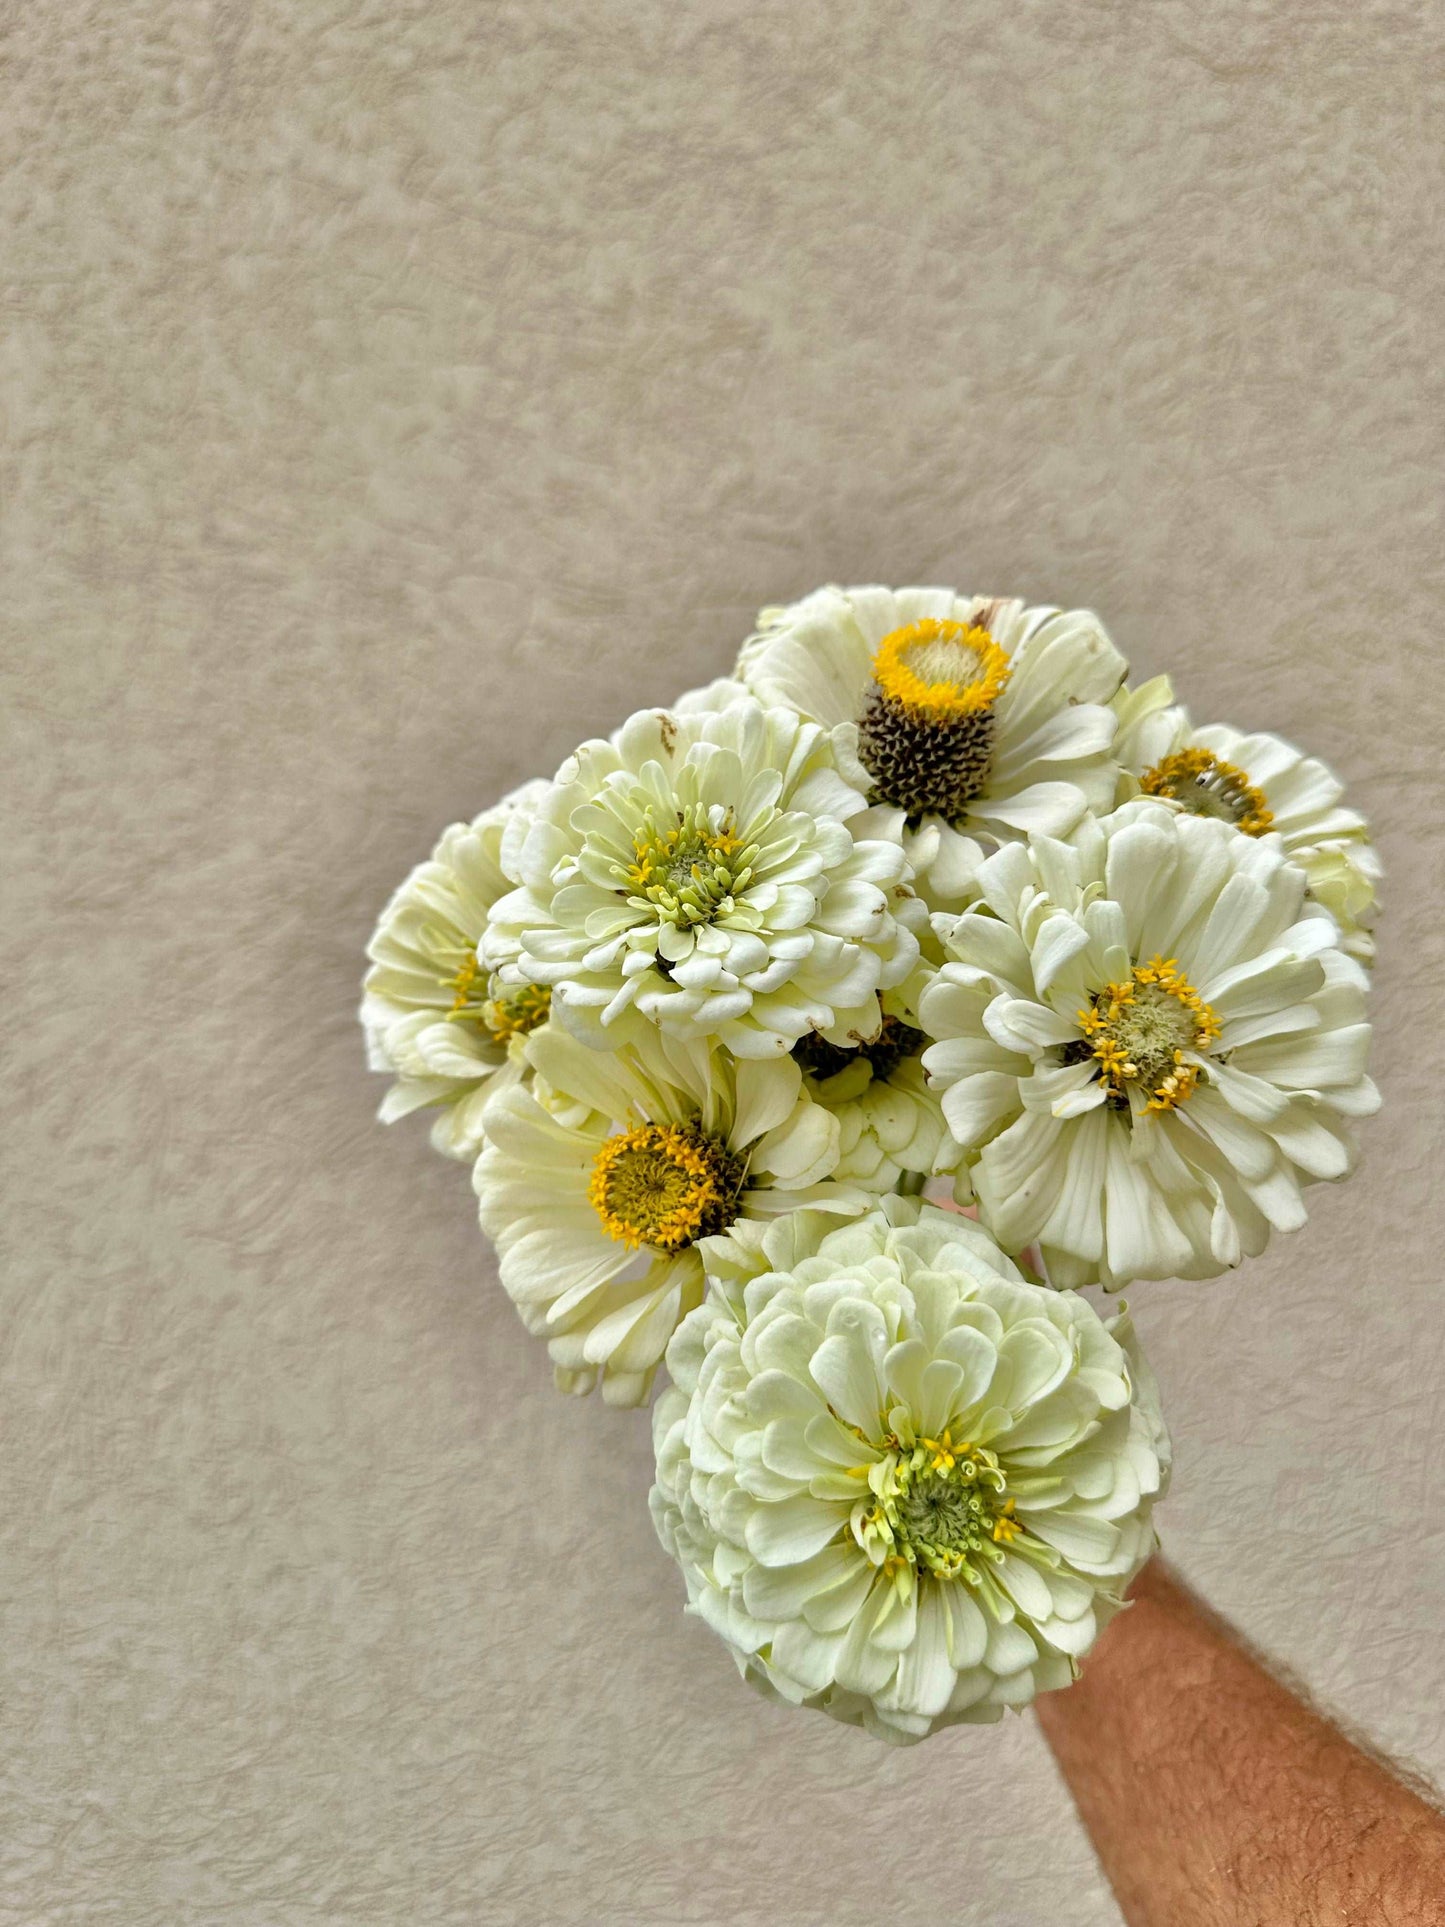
(940, 1508)
(1139, 1031)
(688, 870)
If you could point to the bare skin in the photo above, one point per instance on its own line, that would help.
(1216, 1798)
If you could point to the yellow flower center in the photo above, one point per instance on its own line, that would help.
(665, 1186)
(1138, 1033)
(516, 1011)
(1208, 786)
(466, 1003)
(688, 870)
(502, 1011)
(941, 671)
(937, 1507)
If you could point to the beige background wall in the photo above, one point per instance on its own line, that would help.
(391, 394)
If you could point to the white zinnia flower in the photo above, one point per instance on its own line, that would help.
(1265, 786)
(903, 1485)
(890, 1118)
(433, 1016)
(720, 693)
(717, 873)
(596, 1195)
(1152, 1040)
(977, 717)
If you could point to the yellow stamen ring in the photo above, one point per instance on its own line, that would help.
(1138, 1032)
(665, 1186)
(942, 699)
(1209, 786)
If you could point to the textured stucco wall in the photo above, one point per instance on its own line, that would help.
(391, 394)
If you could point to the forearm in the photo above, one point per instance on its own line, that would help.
(1215, 1798)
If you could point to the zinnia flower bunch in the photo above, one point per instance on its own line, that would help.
(820, 1040)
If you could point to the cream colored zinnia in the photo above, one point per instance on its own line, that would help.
(904, 1486)
(714, 873)
(1263, 785)
(435, 1018)
(1149, 1040)
(978, 718)
(893, 1131)
(597, 1185)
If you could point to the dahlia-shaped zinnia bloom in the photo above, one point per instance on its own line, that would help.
(905, 1486)
(1263, 785)
(434, 1017)
(597, 1184)
(978, 718)
(716, 873)
(1150, 1039)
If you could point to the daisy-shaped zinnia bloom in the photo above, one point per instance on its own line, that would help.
(1151, 1039)
(905, 1486)
(597, 1185)
(978, 718)
(717, 873)
(1263, 785)
(434, 1018)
